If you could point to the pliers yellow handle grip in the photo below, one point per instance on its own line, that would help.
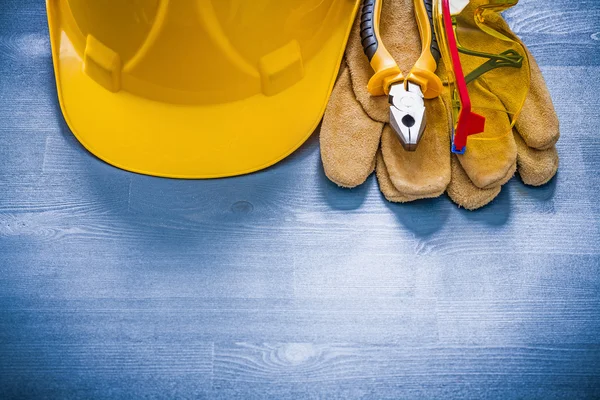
(386, 69)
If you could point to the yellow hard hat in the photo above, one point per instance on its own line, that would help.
(196, 88)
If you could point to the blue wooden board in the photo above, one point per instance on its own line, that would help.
(280, 284)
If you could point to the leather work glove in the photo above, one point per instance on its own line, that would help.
(356, 137)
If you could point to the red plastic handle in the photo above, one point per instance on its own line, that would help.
(469, 123)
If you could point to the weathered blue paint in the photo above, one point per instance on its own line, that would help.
(279, 284)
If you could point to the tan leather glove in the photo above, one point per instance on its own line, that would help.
(356, 137)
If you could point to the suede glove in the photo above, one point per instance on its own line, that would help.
(356, 137)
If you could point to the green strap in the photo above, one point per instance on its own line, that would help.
(509, 58)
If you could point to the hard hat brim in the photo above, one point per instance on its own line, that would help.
(192, 141)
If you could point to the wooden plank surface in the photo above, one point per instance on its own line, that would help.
(282, 285)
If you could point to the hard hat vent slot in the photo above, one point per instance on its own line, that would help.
(102, 64)
(281, 68)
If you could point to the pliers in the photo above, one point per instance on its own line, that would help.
(405, 94)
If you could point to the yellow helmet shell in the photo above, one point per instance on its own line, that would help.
(198, 88)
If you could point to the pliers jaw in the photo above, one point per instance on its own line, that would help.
(407, 113)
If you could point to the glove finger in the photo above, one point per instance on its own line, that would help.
(538, 123)
(491, 156)
(464, 193)
(387, 187)
(349, 138)
(536, 167)
(425, 172)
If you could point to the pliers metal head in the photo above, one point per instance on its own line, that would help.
(407, 113)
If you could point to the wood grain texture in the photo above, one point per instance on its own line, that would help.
(308, 362)
(280, 284)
